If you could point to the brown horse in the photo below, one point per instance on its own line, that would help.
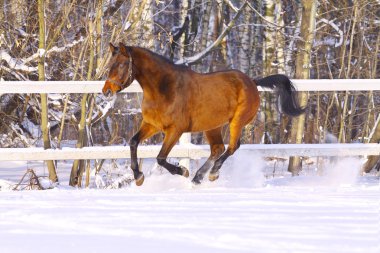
(178, 100)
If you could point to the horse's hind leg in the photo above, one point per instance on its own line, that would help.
(171, 138)
(217, 148)
(146, 131)
(235, 133)
(245, 113)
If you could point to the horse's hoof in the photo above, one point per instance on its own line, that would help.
(196, 180)
(140, 179)
(185, 172)
(213, 176)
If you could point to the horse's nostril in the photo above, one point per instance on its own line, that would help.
(107, 93)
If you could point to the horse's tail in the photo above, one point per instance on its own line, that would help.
(287, 100)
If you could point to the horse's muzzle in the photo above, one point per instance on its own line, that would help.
(109, 95)
(108, 91)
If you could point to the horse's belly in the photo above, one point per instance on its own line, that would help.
(210, 118)
(205, 127)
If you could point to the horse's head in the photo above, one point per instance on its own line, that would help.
(121, 74)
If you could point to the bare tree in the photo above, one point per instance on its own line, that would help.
(309, 9)
(373, 161)
(41, 77)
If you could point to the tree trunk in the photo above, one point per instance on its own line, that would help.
(280, 40)
(341, 136)
(62, 121)
(140, 24)
(270, 36)
(246, 44)
(99, 29)
(41, 77)
(184, 12)
(203, 36)
(79, 165)
(75, 170)
(374, 137)
(268, 62)
(256, 38)
(2, 17)
(375, 133)
(353, 112)
(303, 72)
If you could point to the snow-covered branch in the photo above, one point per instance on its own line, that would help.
(195, 58)
(335, 27)
(19, 76)
(21, 64)
(54, 49)
(231, 5)
(15, 64)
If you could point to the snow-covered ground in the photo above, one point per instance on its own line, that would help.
(242, 212)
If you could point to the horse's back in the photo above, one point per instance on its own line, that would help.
(229, 85)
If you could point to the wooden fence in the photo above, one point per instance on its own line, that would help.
(185, 149)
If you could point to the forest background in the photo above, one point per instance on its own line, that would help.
(69, 40)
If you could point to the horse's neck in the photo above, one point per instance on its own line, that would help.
(146, 73)
(149, 71)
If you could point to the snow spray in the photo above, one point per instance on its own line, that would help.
(244, 170)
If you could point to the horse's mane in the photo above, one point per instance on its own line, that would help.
(163, 59)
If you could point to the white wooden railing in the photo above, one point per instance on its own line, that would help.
(184, 149)
(96, 86)
(188, 151)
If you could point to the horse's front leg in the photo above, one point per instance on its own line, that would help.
(146, 131)
(171, 138)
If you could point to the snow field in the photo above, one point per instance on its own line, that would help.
(241, 212)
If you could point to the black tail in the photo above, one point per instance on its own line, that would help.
(287, 97)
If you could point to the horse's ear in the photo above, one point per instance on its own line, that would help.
(113, 49)
(123, 49)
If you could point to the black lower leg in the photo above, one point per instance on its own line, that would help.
(219, 162)
(173, 169)
(134, 164)
(202, 171)
(217, 149)
(171, 137)
(214, 172)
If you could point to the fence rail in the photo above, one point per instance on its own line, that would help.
(188, 151)
(185, 149)
(96, 86)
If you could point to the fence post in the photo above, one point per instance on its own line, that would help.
(184, 140)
